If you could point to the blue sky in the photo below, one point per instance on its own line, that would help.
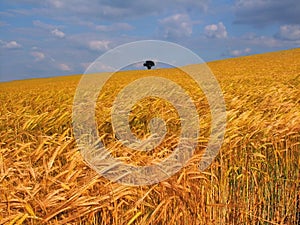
(60, 37)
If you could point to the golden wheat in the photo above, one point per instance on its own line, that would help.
(255, 178)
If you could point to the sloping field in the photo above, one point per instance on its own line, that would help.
(255, 179)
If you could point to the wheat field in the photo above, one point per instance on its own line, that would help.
(255, 179)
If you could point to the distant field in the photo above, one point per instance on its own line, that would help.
(255, 179)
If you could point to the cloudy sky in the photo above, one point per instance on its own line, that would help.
(59, 37)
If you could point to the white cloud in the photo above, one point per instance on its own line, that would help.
(58, 33)
(56, 3)
(35, 48)
(114, 27)
(99, 45)
(289, 32)
(247, 50)
(263, 41)
(38, 56)
(43, 25)
(239, 52)
(54, 30)
(215, 30)
(64, 67)
(176, 26)
(10, 45)
(96, 67)
(101, 67)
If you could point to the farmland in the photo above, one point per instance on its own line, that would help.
(255, 178)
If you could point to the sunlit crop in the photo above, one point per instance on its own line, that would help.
(255, 179)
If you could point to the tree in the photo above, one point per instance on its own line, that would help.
(149, 64)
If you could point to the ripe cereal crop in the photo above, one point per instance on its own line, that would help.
(255, 178)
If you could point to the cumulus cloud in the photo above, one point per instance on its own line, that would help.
(114, 27)
(56, 3)
(43, 25)
(261, 40)
(64, 67)
(58, 33)
(263, 12)
(215, 30)
(176, 26)
(38, 56)
(54, 30)
(289, 32)
(239, 52)
(99, 45)
(97, 67)
(10, 44)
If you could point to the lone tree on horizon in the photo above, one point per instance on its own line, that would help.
(149, 64)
